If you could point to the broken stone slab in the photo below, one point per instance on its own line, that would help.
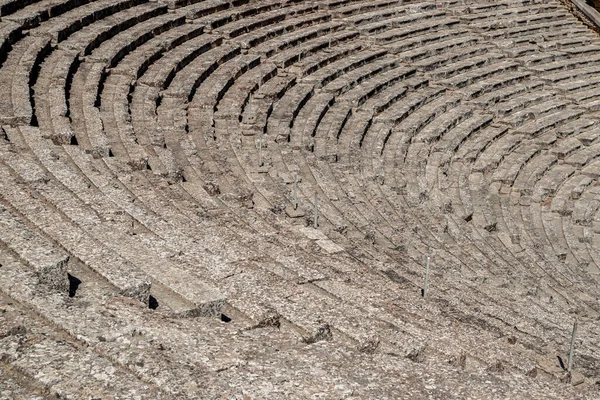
(329, 246)
(204, 300)
(47, 260)
(294, 213)
(313, 234)
(289, 177)
(592, 170)
(577, 378)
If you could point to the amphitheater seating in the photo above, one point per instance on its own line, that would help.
(283, 170)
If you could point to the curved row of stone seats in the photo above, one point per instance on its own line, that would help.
(16, 76)
(112, 51)
(427, 26)
(513, 17)
(56, 75)
(244, 25)
(364, 9)
(68, 20)
(475, 197)
(183, 74)
(293, 55)
(10, 32)
(200, 308)
(468, 78)
(128, 279)
(503, 12)
(52, 310)
(533, 106)
(310, 64)
(562, 273)
(548, 70)
(586, 98)
(331, 218)
(180, 90)
(340, 67)
(115, 107)
(297, 38)
(110, 350)
(534, 25)
(334, 43)
(48, 261)
(31, 14)
(64, 62)
(385, 233)
(515, 107)
(89, 38)
(242, 10)
(580, 73)
(10, 6)
(107, 256)
(474, 56)
(400, 22)
(68, 23)
(144, 187)
(186, 82)
(384, 11)
(89, 79)
(63, 351)
(259, 36)
(549, 121)
(487, 92)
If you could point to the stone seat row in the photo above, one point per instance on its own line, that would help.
(30, 14)
(88, 49)
(38, 47)
(548, 183)
(290, 106)
(528, 184)
(174, 274)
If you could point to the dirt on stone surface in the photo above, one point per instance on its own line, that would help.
(273, 199)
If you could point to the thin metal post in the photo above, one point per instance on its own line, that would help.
(260, 161)
(426, 286)
(572, 350)
(316, 212)
(296, 192)
(249, 107)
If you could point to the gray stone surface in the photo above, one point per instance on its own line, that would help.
(146, 253)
